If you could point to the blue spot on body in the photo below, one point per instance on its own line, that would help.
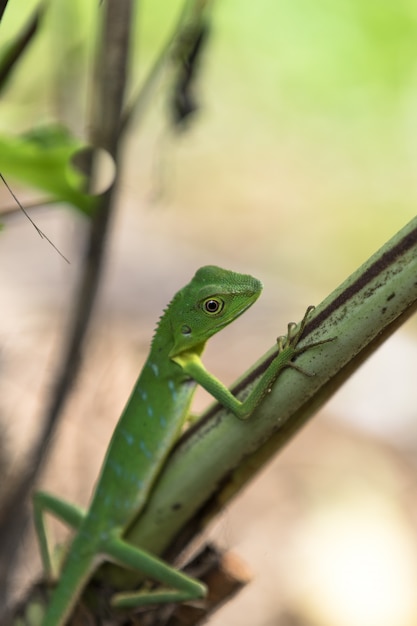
(162, 422)
(132, 478)
(122, 504)
(116, 467)
(154, 368)
(150, 410)
(143, 394)
(172, 389)
(145, 450)
(128, 436)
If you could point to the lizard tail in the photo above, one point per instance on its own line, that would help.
(77, 571)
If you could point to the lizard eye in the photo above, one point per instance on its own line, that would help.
(213, 305)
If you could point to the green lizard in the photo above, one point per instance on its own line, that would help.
(146, 432)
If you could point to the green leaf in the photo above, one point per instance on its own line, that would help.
(42, 159)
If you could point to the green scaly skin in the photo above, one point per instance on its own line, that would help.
(146, 432)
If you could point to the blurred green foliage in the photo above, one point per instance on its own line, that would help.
(332, 85)
(41, 156)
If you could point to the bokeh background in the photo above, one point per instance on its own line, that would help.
(300, 163)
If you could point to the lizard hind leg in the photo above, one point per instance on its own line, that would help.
(66, 512)
(178, 587)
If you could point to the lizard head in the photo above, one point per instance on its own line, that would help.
(213, 299)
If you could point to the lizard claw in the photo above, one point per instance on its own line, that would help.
(294, 332)
(292, 339)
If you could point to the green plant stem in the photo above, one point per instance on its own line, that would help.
(362, 313)
(218, 456)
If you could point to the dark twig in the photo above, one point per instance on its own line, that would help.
(140, 101)
(22, 208)
(11, 210)
(110, 86)
(19, 46)
(3, 5)
(108, 123)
